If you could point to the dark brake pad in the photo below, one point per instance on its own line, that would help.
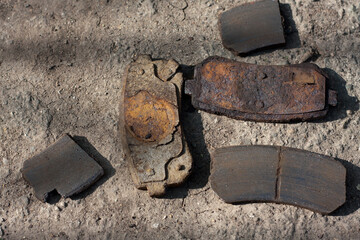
(64, 166)
(155, 149)
(252, 26)
(280, 175)
(260, 93)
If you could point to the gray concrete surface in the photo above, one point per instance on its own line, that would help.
(61, 65)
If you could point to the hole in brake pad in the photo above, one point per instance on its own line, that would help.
(260, 93)
(278, 174)
(63, 168)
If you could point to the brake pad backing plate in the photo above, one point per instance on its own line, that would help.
(260, 93)
(151, 134)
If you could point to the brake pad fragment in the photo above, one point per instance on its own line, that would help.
(252, 26)
(280, 175)
(63, 167)
(152, 139)
(260, 93)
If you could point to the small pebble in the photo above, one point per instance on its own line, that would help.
(349, 112)
(24, 200)
(62, 204)
(349, 87)
(155, 225)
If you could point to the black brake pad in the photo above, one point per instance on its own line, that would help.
(252, 26)
(280, 175)
(64, 166)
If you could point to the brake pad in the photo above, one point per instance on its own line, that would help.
(260, 93)
(63, 167)
(251, 26)
(279, 175)
(155, 149)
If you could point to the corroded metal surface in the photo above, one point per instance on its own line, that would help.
(152, 139)
(63, 167)
(251, 26)
(260, 93)
(280, 175)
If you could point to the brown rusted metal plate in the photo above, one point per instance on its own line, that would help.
(63, 167)
(252, 26)
(280, 175)
(151, 134)
(260, 93)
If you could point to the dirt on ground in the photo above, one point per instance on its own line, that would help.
(61, 67)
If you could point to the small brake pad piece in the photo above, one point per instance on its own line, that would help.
(260, 93)
(64, 166)
(155, 149)
(251, 26)
(280, 175)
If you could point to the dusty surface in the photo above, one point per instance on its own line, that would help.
(61, 64)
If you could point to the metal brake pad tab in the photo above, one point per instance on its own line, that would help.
(260, 93)
(156, 151)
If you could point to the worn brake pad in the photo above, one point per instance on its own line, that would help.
(251, 26)
(260, 93)
(63, 167)
(152, 139)
(280, 175)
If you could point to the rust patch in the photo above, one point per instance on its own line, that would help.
(259, 93)
(148, 118)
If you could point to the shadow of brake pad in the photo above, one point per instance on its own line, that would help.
(260, 93)
(149, 126)
(64, 166)
(278, 174)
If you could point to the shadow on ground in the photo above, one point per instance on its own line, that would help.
(352, 192)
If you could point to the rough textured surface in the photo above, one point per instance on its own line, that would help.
(61, 69)
(280, 175)
(63, 167)
(259, 93)
(149, 125)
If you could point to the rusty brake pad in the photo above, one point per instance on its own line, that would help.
(251, 26)
(63, 167)
(260, 93)
(280, 175)
(156, 151)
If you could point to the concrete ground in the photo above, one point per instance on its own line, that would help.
(61, 67)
